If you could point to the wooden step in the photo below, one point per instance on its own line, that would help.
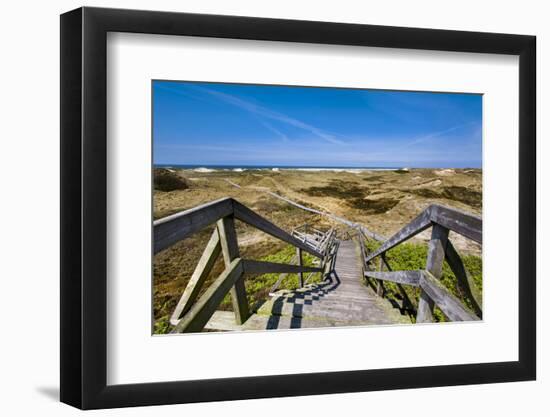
(225, 321)
(368, 311)
(342, 299)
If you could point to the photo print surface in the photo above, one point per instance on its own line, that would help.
(289, 207)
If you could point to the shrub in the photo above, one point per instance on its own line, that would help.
(165, 180)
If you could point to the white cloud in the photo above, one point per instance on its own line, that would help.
(270, 114)
(276, 131)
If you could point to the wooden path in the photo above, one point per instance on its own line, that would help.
(342, 299)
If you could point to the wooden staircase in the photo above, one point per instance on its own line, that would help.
(343, 298)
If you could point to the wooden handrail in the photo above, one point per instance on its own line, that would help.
(261, 267)
(253, 219)
(192, 313)
(419, 224)
(442, 219)
(400, 277)
(172, 229)
(465, 224)
(450, 305)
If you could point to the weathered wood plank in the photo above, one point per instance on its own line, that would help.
(248, 216)
(201, 272)
(306, 236)
(199, 314)
(309, 240)
(465, 282)
(300, 263)
(400, 277)
(327, 241)
(462, 223)
(263, 267)
(364, 265)
(176, 227)
(328, 260)
(230, 250)
(448, 303)
(434, 265)
(223, 321)
(380, 290)
(322, 244)
(416, 226)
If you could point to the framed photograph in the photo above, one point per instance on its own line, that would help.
(258, 208)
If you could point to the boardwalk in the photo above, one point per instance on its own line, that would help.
(342, 299)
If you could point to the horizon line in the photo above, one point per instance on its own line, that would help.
(315, 166)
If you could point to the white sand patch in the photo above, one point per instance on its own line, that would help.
(433, 183)
(445, 172)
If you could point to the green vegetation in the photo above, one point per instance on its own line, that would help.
(454, 193)
(353, 195)
(337, 189)
(162, 326)
(369, 206)
(374, 178)
(464, 195)
(257, 287)
(411, 256)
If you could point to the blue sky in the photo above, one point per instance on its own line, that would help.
(234, 124)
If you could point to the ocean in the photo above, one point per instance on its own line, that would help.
(241, 168)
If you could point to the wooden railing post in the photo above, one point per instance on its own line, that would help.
(379, 284)
(230, 250)
(434, 265)
(300, 262)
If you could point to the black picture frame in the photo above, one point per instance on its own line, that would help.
(84, 207)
